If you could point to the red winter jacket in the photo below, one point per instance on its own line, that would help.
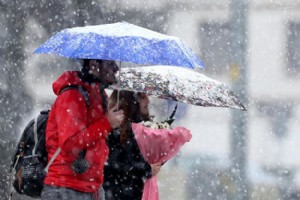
(73, 126)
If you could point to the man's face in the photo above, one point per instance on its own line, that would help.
(105, 70)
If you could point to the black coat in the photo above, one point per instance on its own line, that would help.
(125, 170)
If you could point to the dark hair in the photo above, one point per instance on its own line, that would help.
(128, 102)
(85, 62)
(86, 76)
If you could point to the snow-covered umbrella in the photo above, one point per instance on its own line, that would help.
(121, 41)
(158, 145)
(179, 84)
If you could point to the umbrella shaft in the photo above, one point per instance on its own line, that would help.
(118, 86)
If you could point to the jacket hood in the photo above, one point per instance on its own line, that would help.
(67, 78)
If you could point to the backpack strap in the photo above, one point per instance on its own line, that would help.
(35, 127)
(85, 94)
(81, 89)
(52, 159)
(35, 134)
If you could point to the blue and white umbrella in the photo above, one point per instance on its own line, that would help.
(122, 42)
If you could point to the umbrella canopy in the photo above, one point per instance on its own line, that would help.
(123, 42)
(178, 84)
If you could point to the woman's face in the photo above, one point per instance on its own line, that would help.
(143, 102)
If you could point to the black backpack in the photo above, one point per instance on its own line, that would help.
(29, 161)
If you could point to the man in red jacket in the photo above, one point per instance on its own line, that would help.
(76, 127)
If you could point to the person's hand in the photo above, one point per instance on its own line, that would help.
(115, 117)
(155, 168)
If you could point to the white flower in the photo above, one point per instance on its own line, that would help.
(156, 125)
(147, 123)
(164, 125)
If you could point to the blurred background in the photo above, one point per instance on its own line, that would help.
(251, 45)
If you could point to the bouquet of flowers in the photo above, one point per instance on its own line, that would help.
(158, 142)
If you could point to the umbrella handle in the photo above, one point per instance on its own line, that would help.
(118, 97)
(118, 86)
(174, 112)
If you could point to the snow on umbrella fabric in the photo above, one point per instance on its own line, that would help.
(121, 41)
(158, 146)
(179, 84)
